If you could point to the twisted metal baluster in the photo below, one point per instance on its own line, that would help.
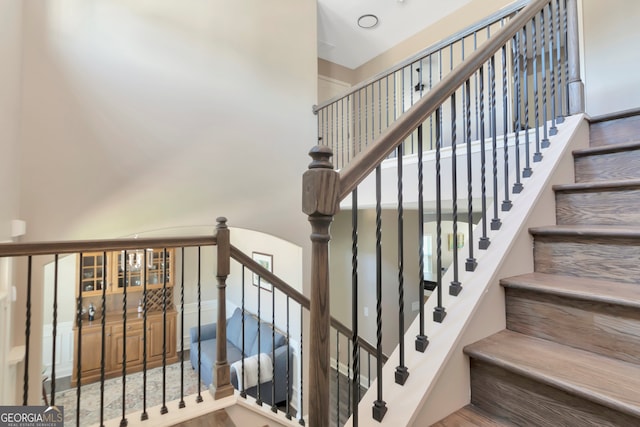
(144, 415)
(165, 262)
(495, 222)
(537, 156)
(301, 388)
(559, 116)
(402, 373)
(506, 203)
(527, 171)
(103, 344)
(543, 54)
(55, 331)
(288, 379)
(439, 312)
(243, 389)
(27, 334)
(470, 264)
(79, 355)
(379, 406)
(199, 287)
(123, 420)
(553, 130)
(421, 339)
(337, 377)
(182, 403)
(455, 286)
(517, 186)
(354, 304)
(259, 394)
(484, 239)
(274, 407)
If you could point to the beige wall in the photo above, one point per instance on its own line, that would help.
(140, 116)
(610, 39)
(10, 68)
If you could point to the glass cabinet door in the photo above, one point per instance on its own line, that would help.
(92, 279)
(129, 269)
(160, 267)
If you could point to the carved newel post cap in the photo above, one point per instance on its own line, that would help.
(321, 155)
(320, 184)
(222, 222)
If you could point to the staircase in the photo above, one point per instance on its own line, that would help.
(571, 352)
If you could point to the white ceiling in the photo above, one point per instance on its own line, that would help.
(342, 41)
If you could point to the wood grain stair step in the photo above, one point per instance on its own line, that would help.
(606, 149)
(470, 415)
(608, 162)
(586, 289)
(608, 382)
(594, 315)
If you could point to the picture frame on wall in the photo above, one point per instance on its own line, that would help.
(266, 261)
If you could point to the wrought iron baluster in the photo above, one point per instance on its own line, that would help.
(543, 55)
(553, 130)
(259, 394)
(402, 373)
(470, 264)
(27, 335)
(517, 186)
(54, 332)
(439, 312)
(527, 171)
(537, 156)
(561, 35)
(125, 282)
(274, 407)
(288, 379)
(337, 377)
(199, 287)
(495, 222)
(165, 262)
(144, 415)
(182, 402)
(484, 239)
(301, 388)
(79, 355)
(454, 287)
(103, 344)
(379, 406)
(243, 389)
(354, 305)
(421, 339)
(506, 203)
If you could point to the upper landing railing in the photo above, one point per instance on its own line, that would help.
(350, 122)
(495, 112)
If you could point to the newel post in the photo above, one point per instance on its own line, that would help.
(575, 85)
(320, 186)
(221, 386)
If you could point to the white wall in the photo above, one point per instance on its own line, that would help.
(610, 39)
(10, 68)
(141, 115)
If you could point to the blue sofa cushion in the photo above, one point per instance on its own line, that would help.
(234, 330)
(209, 353)
(266, 343)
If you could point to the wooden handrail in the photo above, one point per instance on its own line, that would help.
(294, 294)
(74, 246)
(365, 162)
(466, 32)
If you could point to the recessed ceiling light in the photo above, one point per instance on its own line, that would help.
(368, 21)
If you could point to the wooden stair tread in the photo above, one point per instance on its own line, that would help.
(603, 291)
(606, 149)
(609, 382)
(470, 415)
(622, 184)
(611, 231)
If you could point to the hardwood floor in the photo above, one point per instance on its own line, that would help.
(570, 355)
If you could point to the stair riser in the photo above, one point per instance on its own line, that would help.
(530, 403)
(607, 167)
(589, 207)
(607, 329)
(615, 259)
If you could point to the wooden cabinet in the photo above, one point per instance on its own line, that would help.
(116, 337)
(119, 269)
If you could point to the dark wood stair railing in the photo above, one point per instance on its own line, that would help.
(324, 190)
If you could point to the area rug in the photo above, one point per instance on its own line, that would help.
(90, 394)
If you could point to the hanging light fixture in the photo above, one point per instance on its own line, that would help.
(419, 87)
